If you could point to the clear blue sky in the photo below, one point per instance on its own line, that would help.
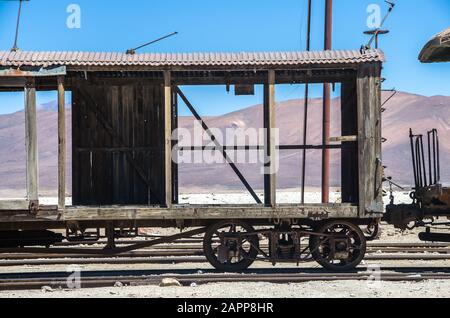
(231, 25)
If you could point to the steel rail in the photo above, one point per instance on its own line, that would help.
(187, 280)
(181, 258)
(193, 250)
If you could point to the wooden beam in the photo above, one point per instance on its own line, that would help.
(192, 212)
(31, 141)
(352, 138)
(175, 179)
(168, 138)
(244, 78)
(13, 82)
(61, 144)
(14, 205)
(33, 71)
(369, 132)
(270, 140)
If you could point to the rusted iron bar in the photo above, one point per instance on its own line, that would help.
(326, 107)
(108, 251)
(219, 146)
(376, 33)
(306, 106)
(411, 140)
(133, 51)
(15, 48)
(379, 30)
(394, 92)
(430, 171)
(433, 157)
(162, 240)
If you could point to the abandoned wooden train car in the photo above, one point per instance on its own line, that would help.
(124, 110)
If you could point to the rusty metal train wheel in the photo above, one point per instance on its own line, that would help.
(228, 248)
(339, 246)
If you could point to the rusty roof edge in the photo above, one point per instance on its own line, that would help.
(34, 58)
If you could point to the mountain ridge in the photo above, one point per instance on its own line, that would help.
(403, 111)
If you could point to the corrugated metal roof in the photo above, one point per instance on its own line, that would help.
(86, 59)
(437, 49)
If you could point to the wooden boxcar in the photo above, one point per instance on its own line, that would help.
(124, 110)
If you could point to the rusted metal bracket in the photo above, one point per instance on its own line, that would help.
(218, 145)
(34, 207)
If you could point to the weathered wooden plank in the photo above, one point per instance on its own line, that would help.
(246, 78)
(75, 144)
(175, 192)
(369, 131)
(10, 82)
(271, 160)
(19, 205)
(116, 153)
(119, 144)
(209, 68)
(103, 120)
(211, 212)
(168, 138)
(31, 141)
(362, 87)
(61, 144)
(344, 139)
(145, 213)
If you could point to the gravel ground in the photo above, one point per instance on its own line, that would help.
(345, 289)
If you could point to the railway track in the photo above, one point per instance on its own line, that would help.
(193, 253)
(138, 278)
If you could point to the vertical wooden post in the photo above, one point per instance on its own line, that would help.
(270, 147)
(168, 138)
(175, 191)
(61, 144)
(31, 141)
(369, 132)
(349, 153)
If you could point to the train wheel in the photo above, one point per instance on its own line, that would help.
(341, 248)
(228, 248)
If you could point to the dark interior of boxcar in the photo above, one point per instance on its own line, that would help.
(118, 144)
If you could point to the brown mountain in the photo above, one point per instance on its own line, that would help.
(403, 111)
